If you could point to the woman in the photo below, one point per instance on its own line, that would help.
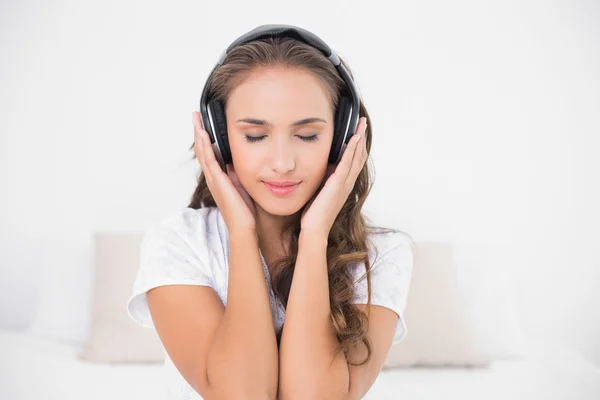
(271, 284)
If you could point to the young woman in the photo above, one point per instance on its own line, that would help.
(271, 284)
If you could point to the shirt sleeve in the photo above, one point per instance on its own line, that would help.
(165, 259)
(391, 272)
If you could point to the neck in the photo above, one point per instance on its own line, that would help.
(267, 224)
(268, 230)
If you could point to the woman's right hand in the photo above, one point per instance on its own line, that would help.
(236, 205)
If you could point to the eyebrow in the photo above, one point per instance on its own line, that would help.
(263, 122)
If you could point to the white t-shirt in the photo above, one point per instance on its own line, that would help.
(191, 247)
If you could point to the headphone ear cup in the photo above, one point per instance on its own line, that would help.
(218, 114)
(342, 117)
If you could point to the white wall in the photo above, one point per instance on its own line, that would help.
(485, 119)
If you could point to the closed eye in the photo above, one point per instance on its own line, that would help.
(253, 139)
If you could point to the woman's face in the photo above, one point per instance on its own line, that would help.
(269, 145)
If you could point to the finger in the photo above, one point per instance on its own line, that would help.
(361, 154)
(199, 146)
(343, 167)
(350, 154)
(197, 141)
(365, 152)
(210, 160)
(364, 142)
(347, 161)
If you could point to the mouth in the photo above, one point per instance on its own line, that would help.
(281, 190)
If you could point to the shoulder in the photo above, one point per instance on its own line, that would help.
(181, 248)
(391, 258)
(188, 221)
(390, 246)
(187, 236)
(391, 266)
(188, 225)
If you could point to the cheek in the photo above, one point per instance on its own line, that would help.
(244, 162)
(246, 169)
(241, 152)
(314, 167)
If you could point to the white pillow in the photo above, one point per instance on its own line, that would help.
(113, 336)
(458, 312)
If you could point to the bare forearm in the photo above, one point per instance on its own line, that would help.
(308, 343)
(244, 351)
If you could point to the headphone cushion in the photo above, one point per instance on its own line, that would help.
(342, 116)
(218, 114)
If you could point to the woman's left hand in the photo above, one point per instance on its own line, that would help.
(322, 210)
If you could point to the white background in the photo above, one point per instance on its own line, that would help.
(485, 121)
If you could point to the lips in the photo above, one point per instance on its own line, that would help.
(282, 183)
(281, 188)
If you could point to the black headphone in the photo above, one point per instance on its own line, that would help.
(346, 114)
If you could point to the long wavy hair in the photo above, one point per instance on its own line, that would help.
(348, 238)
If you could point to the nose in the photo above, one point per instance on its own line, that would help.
(283, 157)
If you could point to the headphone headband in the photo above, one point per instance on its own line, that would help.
(285, 30)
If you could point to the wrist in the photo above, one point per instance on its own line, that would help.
(314, 236)
(244, 233)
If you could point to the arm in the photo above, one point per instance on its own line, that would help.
(308, 369)
(235, 350)
(222, 353)
(244, 350)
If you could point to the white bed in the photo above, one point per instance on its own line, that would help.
(37, 368)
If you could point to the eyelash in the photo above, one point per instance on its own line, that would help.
(254, 139)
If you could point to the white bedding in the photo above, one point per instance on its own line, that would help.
(36, 368)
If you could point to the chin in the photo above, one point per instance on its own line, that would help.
(283, 212)
(281, 205)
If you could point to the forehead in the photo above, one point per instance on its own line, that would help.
(280, 94)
